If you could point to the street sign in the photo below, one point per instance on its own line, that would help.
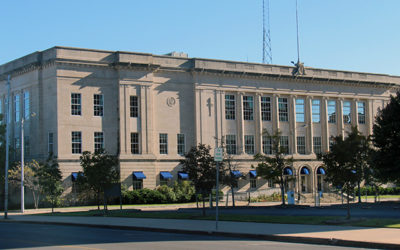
(218, 154)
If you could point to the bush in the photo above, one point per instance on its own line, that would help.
(381, 190)
(263, 198)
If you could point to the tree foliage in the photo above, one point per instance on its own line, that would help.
(100, 172)
(272, 167)
(49, 176)
(386, 140)
(200, 166)
(347, 162)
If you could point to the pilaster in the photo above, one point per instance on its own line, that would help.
(309, 125)
(258, 123)
(324, 125)
(239, 120)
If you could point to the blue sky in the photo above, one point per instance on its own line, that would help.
(356, 35)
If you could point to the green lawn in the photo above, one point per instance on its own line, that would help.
(310, 220)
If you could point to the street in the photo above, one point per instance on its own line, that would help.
(44, 236)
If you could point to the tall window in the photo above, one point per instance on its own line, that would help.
(284, 144)
(253, 182)
(181, 144)
(27, 146)
(361, 112)
(98, 105)
(98, 141)
(249, 144)
(248, 108)
(229, 107)
(135, 143)
(231, 144)
(27, 108)
(76, 104)
(267, 144)
(316, 111)
(283, 109)
(301, 145)
(346, 112)
(76, 142)
(50, 143)
(137, 184)
(134, 106)
(17, 108)
(163, 143)
(317, 145)
(299, 110)
(332, 111)
(265, 108)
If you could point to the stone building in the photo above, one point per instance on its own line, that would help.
(150, 109)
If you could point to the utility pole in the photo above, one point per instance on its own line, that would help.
(22, 167)
(7, 148)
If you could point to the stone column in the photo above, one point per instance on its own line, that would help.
(258, 123)
(292, 123)
(309, 125)
(339, 112)
(275, 113)
(150, 121)
(143, 120)
(124, 119)
(240, 123)
(369, 117)
(198, 116)
(354, 115)
(324, 125)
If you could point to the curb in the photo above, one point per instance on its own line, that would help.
(269, 237)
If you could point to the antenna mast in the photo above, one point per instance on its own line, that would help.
(267, 50)
(297, 29)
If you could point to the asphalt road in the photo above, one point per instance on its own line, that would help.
(37, 236)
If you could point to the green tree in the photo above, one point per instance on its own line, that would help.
(31, 180)
(272, 167)
(347, 162)
(200, 166)
(49, 176)
(228, 168)
(100, 172)
(386, 140)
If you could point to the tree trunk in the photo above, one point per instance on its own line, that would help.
(283, 192)
(359, 193)
(197, 200)
(233, 197)
(348, 206)
(52, 206)
(204, 204)
(98, 200)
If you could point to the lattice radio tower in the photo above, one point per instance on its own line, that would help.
(267, 51)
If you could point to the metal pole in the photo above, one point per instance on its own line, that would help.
(7, 149)
(217, 199)
(298, 43)
(22, 166)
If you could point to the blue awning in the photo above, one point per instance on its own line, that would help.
(253, 173)
(304, 171)
(138, 175)
(74, 175)
(183, 176)
(166, 175)
(236, 173)
(287, 171)
(321, 171)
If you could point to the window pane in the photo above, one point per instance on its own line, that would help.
(27, 110)
(346, 112)
(361, 112)
(75, 104)
(134, 143)
(229, 107)
(98, 141)
(17, 108)
(301, 145)
(98, 105)
(267, 144)
(283, 109)
(76, 142)
(265, 108)
(331, 111)
(284, 144)
(231, 144)
(317, 145)
(163, 143)
(299, 110)
(134, 106)
(50, 140)
(249, 144)
(316, 111)
(248, 108)
(181, 144)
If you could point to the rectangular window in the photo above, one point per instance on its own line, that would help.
(301, 145)
(164, 144)
(76, 142)
(98, 141)
(317, 145)
(135, 143)
(361, 112)
(267, 144)
(248, 108)
(27, 146)
(50, 143)
(284, 144)
(137, 184)
(346, 112)
(316, 111)
(230, 107)
(181, 144)
(299, 110)
(265, 108)
(249, 144)
(134, 106)
(27, 108)
(17, 108)
(76, 104)
(98, 105)
(231, 144)
(283, 109)
(332, 111)
(253, 183)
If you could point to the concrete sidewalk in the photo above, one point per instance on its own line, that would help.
(316, 234)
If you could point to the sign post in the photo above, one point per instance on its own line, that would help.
(218, 155)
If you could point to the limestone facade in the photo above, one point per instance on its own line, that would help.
(149, 109)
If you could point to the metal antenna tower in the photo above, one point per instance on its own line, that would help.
(267, 50)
